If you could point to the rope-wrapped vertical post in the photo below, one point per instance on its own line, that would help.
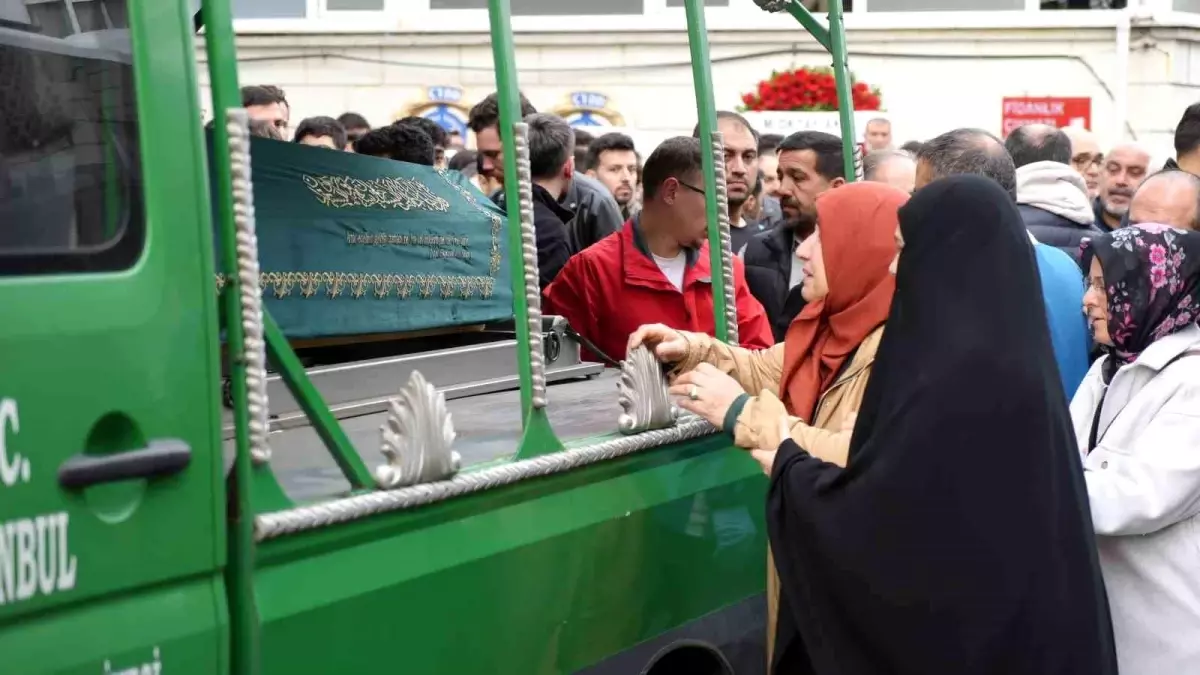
(533, 288)
(859, 158)
(250, 298)
(718, 151)
(851, 155)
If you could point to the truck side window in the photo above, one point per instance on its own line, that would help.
(70, 168)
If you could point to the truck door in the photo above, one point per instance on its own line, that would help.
(111, 521)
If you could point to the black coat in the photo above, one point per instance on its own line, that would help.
(768, 260)
(594, 212)
(1098, 209)
(958, 538)
(553, 249)
(1054, 230)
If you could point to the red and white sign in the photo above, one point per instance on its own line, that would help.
(1053, 110)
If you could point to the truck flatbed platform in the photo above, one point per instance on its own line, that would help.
(488, 427)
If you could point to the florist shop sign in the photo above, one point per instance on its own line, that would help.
(806, 99)
(789, 122)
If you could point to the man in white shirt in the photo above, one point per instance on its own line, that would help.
(656, 269)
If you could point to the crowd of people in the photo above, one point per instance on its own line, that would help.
(973, 378)
(961, 483)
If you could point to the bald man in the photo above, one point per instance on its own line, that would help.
(892, 167)
(1125, 167)
(1169, 197)
(1086, 157)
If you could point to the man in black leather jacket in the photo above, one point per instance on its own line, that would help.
(596, 214)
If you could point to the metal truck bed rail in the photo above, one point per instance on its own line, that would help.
(363, 387)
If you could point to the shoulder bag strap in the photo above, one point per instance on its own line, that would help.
(1093, 440)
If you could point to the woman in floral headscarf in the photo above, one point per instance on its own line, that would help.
(1137, 420)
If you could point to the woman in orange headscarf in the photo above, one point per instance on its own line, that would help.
(811, 384)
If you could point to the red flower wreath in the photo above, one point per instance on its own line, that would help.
(807, 89)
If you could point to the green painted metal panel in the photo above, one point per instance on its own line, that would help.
(545, 576)
(172, 627)
(101, 363)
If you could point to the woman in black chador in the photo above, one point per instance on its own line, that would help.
(957, 540)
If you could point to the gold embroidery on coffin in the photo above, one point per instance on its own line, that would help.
(380, 286)
(497, 223)
(388, 192)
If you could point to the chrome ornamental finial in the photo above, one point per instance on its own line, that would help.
(643, 394)
(417, 437)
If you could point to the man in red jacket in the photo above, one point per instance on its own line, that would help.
(656, 268)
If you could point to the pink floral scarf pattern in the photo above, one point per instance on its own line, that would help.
(1152, 277)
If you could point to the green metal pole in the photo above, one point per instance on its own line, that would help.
(538, 437)
(706, 110)
(841, 75)
(509, 99)
(239, 575)
(323, 421)
(811, 24)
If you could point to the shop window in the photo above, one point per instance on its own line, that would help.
(552, 7)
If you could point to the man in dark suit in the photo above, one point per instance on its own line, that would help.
(810, 163)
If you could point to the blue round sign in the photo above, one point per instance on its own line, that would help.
(448, 118)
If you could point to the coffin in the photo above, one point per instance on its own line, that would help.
(352, 245)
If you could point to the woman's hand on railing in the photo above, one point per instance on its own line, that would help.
(766, 456)
(707, 392)
(667, 344)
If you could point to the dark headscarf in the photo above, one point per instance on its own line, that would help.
(1152, 279)
(958, 539)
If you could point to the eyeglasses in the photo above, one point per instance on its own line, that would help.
(1083, 161)
(693, 188)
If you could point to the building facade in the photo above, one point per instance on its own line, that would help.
(626, 62)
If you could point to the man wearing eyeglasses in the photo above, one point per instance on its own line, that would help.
(1086, 158)
(656, 268)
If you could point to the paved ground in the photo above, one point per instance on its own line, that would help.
(488, 427)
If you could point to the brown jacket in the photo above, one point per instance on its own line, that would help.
(758, 425)
(759, 372)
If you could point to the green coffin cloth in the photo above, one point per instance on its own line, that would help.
(349, 244)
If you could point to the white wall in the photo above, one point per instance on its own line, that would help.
(932, 79)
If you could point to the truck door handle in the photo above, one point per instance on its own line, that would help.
(159, 458)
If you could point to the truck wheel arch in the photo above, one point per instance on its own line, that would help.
(689, 657)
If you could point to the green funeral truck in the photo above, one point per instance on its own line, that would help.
(273, 409)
